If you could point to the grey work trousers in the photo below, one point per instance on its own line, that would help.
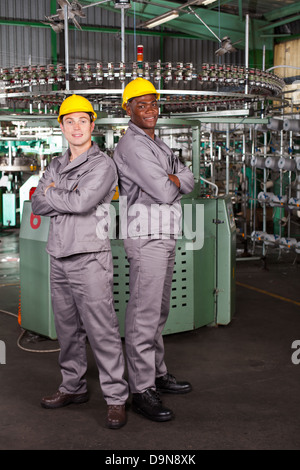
(151, 264)
(82, 301)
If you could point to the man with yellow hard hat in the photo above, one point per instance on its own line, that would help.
(72, 192)
(151, 182)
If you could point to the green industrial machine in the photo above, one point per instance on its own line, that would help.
(36, 310)
(203, 290)
(181, 316)
(203, 287)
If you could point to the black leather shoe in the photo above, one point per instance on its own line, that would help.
(149, 405)
(59, 399)
(168, 384)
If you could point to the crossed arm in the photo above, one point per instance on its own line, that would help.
(142, 167)
(89, 191)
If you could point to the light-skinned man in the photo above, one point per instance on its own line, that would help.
(71, 192)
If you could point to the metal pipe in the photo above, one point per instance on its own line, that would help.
(247, 53)
(9, 154)
(227, 159)
(253, 199)
(298, 190)
(265, 189)
(30, 90)
(66, 30)
(196, 152)
(281, 155)
(200, 19)
(290, 186)
(211, 155)
(216, 188)
(282, 66)
(122, 35)
(244, 190)
(123, 40)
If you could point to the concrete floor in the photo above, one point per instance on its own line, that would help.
(246, 388)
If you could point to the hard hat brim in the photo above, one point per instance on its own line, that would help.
(76, 104)
(94, 115)
(124, 104)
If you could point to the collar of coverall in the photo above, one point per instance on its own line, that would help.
(138, 129)
(66, 165)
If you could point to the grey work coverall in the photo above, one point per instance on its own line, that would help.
(81, 274)
(143, 167)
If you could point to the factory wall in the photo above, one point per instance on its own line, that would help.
(288, 55)
(21, 44)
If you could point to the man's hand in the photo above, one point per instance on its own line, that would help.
(175, 180)
(50, 185)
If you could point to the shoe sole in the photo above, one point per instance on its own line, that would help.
(77, 401)
(138, 410)
(114, 426)
(174, 392)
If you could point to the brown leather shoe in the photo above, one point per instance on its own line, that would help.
(59, 399)
(116, 416)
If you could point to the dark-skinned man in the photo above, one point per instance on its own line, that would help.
(151, 182)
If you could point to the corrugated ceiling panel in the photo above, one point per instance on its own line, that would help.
(24, 9)
(198, 51)
(20, 43)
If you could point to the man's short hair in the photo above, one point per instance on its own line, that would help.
(90, 114)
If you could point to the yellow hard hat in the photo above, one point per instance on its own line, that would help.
(138, 87)
(76, 104)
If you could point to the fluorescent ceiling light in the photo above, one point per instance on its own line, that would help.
(207, 2)
(161, 19)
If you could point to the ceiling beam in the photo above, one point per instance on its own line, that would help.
(282, 12)
(280, 23)
(221, 23)
(226, 25)
(186, 26)
(98, 29)
(217, 3)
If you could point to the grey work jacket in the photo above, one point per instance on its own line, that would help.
(150, 201)
(82, 187)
